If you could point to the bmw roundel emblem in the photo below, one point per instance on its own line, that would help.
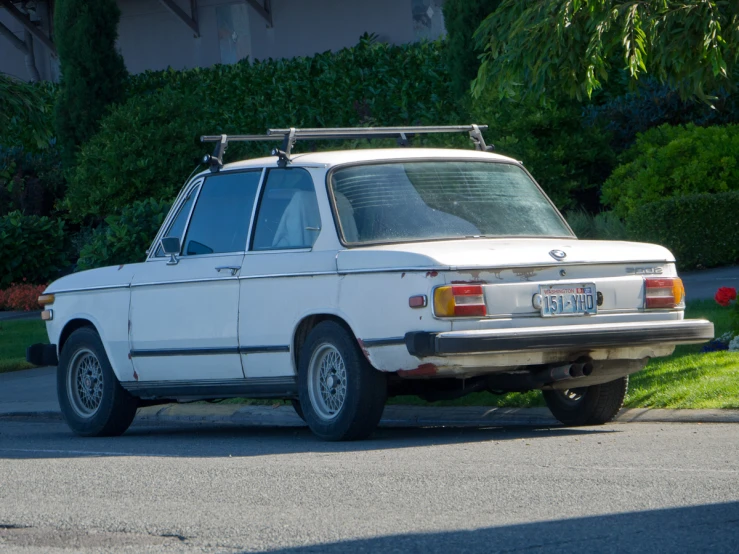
(557, 254)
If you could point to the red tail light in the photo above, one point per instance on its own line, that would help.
(665, 292)
(460, 301)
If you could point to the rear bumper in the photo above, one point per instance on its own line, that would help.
(567, 337)
(42, 354)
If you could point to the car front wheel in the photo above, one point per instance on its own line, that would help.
(91, 399)
(341, 395)
(592, 405)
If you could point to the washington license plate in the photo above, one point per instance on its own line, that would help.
(580, 299)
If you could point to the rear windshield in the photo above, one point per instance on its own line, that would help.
(411, 201)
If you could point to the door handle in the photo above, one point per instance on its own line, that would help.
(234, 269)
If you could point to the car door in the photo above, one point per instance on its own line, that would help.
(283, 278)
(184, 315)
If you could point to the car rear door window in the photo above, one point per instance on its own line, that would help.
(220, 221)
(288, 216)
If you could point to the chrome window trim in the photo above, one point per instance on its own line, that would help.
(189, 217)
(254, 208)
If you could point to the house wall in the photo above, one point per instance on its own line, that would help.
(150, 37)
(12, 60)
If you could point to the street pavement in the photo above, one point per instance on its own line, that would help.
(701, 285)
(637, 487)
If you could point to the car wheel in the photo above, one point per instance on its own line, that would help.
(592, 405)
(342, 396)
(92, 400)
(298, 408)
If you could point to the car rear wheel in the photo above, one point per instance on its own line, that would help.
(592, 405)
(91, 399)
(342, 397)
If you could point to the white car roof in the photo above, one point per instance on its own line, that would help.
(340, 157)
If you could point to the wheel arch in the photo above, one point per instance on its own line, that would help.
(308, 323)
(70, 327)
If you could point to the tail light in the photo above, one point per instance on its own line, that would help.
(459, 301)
(665, 292)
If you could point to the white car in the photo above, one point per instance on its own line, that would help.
(337, 279)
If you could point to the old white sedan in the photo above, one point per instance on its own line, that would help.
(337, 279)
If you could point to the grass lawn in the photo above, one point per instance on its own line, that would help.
(15, 336)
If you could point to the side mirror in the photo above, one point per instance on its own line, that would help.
(171, 246)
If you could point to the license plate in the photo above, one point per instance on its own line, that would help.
(580, 299)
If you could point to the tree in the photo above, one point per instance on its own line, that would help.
(93, 72)
(571, 46)
(24, 116)
(461, 19)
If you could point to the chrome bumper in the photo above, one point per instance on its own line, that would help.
(566, 337)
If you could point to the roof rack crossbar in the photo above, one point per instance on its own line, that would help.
(290, 136)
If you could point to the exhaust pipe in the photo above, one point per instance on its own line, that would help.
(581, 369)
(563, 372)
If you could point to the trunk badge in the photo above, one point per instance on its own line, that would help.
(557, 254)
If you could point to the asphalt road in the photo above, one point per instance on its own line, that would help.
(621, 488)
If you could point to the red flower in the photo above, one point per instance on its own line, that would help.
(725, 295)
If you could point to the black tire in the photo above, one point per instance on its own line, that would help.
(594, 405)
(92, 408)
(298, 408)
(364, 388)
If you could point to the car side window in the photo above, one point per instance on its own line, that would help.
(177, 228)
(288, 216)
(220, 221)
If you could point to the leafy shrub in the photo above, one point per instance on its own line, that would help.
(124, 237)
(568, 159)
(30, 181)
(654, 104)
(602, 226)
(22, 297)
(674, 161)
(27, 117)
(33, 248)
(701, 230)
(461, 19)
(147, 146)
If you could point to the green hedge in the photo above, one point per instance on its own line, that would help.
(567, 158)
(701, 230)
(33, 249)
(149, 145)
(674, 161)
(124, 238)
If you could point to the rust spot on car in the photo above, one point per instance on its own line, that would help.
(364, 350)
(432, 273)
(422, 370)
(135, 375)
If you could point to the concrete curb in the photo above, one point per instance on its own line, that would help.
(394, 416)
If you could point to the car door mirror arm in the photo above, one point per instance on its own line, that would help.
(172, 247)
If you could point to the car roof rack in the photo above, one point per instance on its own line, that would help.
(290, 136)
